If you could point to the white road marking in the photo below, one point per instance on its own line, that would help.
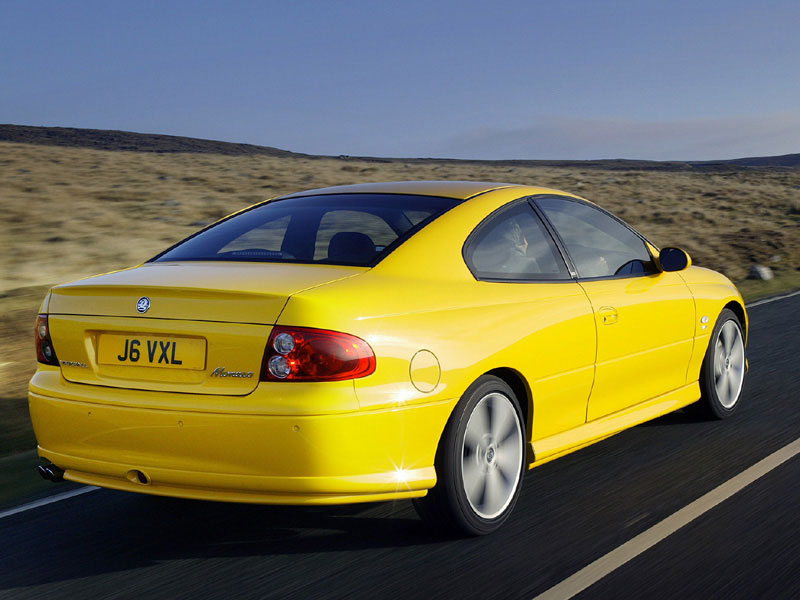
(768, 300)
(595, 571)
(48, 500)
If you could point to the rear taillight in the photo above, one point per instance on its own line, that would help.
(45, 352)
(305, 354)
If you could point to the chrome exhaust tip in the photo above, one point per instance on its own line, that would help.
(51, 473)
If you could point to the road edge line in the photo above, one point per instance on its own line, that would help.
(595, 571)
(773, 299)
(47, 500)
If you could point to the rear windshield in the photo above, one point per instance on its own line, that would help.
(338, 229)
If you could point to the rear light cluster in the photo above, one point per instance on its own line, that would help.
(45, 352)
(305, 354)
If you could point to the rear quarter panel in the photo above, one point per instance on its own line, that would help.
(422, 297)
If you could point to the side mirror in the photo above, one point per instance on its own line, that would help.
(673, 259)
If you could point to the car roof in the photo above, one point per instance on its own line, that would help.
(460, 190)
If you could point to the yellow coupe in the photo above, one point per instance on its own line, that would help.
(425, 340)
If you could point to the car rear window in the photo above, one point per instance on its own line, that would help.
(339, 229)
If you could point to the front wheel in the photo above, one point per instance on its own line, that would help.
(723, 370)
(480, 461)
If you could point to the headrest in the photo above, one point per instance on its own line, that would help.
(351, 247)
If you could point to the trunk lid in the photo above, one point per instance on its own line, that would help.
(195, 291)
(203, 328)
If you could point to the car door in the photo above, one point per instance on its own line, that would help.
(644, 317)
(525, 287)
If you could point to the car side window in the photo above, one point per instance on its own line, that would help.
(599, 245)
(514, 245)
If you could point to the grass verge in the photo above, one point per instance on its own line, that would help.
(752, 289)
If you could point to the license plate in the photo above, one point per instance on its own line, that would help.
(151, 351)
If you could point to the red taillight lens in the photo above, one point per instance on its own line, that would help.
(45, 352)
(305, 354)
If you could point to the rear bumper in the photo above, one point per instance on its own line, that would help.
(242, 488)
(359, 456)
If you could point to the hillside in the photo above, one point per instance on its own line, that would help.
(100, 139)
(791, 161)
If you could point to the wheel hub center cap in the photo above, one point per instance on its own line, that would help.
(728, 362)
(490, 455)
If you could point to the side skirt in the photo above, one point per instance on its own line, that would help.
(558, 445)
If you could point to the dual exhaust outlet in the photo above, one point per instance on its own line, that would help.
(55, 474)
(51, 473)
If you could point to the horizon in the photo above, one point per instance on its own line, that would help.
(683, 82)
(300, 152)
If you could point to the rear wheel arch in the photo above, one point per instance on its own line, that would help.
(517, 382)
(519, 385)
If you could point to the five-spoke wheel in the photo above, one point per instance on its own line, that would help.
(729, 364)
(480, 462)
(491, 455)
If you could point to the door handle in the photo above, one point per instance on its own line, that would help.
(608, 314)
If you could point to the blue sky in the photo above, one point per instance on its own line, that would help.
(537, 79)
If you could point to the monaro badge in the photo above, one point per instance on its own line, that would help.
(221, 372)
(143, 305)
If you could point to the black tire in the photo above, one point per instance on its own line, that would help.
(715, 402)
(498, 457)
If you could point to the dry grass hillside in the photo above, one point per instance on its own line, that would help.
(73, 212)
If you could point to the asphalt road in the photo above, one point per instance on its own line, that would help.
(572, 511)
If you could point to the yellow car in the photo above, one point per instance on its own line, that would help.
(425, 340)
